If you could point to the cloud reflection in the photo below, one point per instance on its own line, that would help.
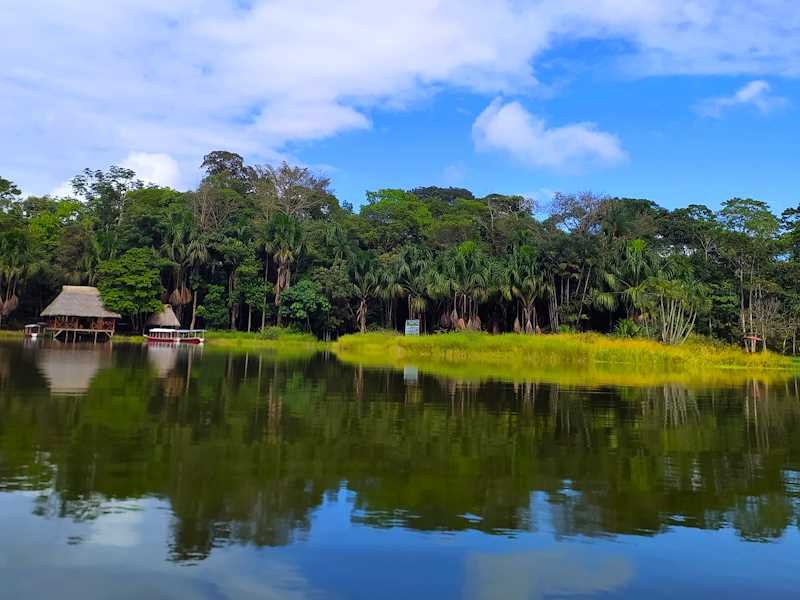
(540, 573)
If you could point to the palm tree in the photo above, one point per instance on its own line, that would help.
(14, 263)
(526, 282)
(176, 248)
(284, 242)
(414, 279)
(474, 275)
(388, 286)
(197, 256)
(365, 281)
(626, 278)
(678, 302)
(443, 288)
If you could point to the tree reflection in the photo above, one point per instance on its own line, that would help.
(246, 447)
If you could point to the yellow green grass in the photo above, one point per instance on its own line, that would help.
(280, 339)
(284, 340)
(590, 359)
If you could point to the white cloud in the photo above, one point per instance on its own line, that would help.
(157, 168)
(509, 128)
(104, 79)
(756, 93)
(62, 190)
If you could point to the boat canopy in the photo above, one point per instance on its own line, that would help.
(177, 333)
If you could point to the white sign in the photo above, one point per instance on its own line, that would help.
(412, 327)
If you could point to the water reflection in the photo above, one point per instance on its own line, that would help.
(245, 448)
(538, 574)
(70, 369)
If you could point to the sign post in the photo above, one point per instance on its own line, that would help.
(412, 326)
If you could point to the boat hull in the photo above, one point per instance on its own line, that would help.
(161, 340)
(158, 340)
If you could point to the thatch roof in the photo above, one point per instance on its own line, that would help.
(78, 301)
(165, 318)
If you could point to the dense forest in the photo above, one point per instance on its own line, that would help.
(256, 246)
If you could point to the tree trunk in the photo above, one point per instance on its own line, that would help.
(264, 303)
(278, 285)
(194, 309)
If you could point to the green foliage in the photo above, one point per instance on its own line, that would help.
(149, 217)
(628, 328)
(8, 191)
(214, 309)
(131, 284)
(305, 306)
(395, 218)
(248, 233)
(250, 281)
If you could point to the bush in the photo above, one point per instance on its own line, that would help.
(271, 332)
(214, 309)
(628, 328)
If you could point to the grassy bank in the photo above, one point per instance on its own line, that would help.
(284, 341)
(567, 358)
(272, 338)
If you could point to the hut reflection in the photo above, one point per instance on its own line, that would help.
(69, 370)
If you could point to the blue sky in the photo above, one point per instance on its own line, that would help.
(676, 101)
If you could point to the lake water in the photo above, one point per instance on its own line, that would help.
(155, 472)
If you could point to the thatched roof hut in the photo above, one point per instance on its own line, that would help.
(79, 301)
(164, 318)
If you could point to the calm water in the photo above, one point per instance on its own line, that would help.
(158, 472)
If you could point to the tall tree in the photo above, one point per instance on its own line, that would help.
(526, 282)
(284, 243)
(364, 277)
(748, 241)
(106, 194)
(293, 191)
(131, 284)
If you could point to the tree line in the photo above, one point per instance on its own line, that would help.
(259, 245)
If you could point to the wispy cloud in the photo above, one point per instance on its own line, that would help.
(104, 80)
(757, 94)
(510, 128)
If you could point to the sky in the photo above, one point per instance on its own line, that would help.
(691, 101)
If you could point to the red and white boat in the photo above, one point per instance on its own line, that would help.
(162, 335)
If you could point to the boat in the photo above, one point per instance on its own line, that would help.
(34, 330)
(163, 335)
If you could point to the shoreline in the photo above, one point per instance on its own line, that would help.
(582, 357)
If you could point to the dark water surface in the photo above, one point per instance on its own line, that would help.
(139, 472)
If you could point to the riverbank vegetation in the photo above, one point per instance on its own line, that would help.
(578, 358)
(254, 246)
(270, 338)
